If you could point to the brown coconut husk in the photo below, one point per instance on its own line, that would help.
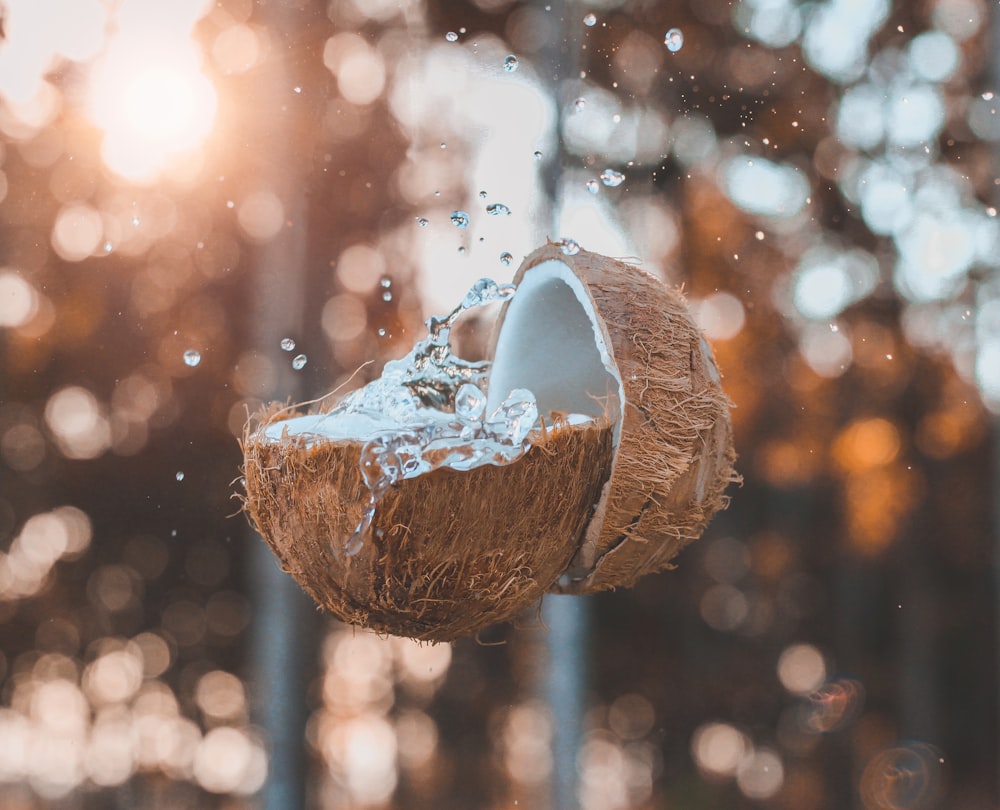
(451, 553)
(675, 456)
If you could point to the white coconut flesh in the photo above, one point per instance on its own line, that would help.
(550, 343)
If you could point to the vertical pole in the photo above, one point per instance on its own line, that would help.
(994, 75)
(567, 617)
(284, 626)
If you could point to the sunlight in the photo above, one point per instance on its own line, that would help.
(150, 97)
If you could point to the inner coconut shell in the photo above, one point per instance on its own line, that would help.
(674, 451)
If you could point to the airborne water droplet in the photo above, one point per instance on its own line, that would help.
(497, 209)
(299, 362)
(674, 40)
(387, 296)
(470, 402)
(192, 357)
(423, 222)
(451, 36)
(506, 258)
(460, 219)
(570, 247)
(612, 178)
(579, 104)
(538, 155)
(592, 186)
(287, 344)
(590, 20)
(180, 476)
(510, 63)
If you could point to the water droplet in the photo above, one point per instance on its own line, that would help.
(988, 96)
(538, 155)
(287, 344)
(297, 89)
(381, 331)
(579, 104)
(497, 209)
(570, 247)
(451, 36)
(510, 63)
(423, 222)
(612, 178)
(506, 258)
(674, 40)
(482, 195)
(593, 186)
(590, 20)
(180, 476)
(108, 247)
(135, 221)
(513, 420)
(299, 362)
(387, 296)
(470, 402)
(460, 219)
(385, 282)
(461, 249)
(192, 357)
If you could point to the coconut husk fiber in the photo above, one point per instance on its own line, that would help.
(451, 553)
(675, 456)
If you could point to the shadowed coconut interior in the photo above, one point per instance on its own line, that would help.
(551, 344)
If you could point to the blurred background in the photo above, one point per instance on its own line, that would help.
(206, 205)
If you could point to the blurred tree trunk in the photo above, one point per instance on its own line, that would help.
(285, 625)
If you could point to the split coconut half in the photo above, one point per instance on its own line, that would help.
(448, 496)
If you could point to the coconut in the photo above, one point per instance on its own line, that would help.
(626, 464)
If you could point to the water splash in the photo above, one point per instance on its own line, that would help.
(460, 219)
(510, 63)
(590, 20)
(592, 186)
(299, 362)
(192, 357)
(287, 344)
(674, 40)
(497, 210)
(569, 247)
(612, 178)
(506, 258)
(436, 404)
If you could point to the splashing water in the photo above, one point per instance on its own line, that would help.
(592, 186)
(192, 357)
(287, 344)
(299, 362)
(590, 20)
(674, 40)
(510, 63)
(436, 404)
(612, 178)
(460, 219)
(497, 210)
(506, 258)
(569, 247)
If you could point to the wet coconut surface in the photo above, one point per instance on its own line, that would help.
(447, 496)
